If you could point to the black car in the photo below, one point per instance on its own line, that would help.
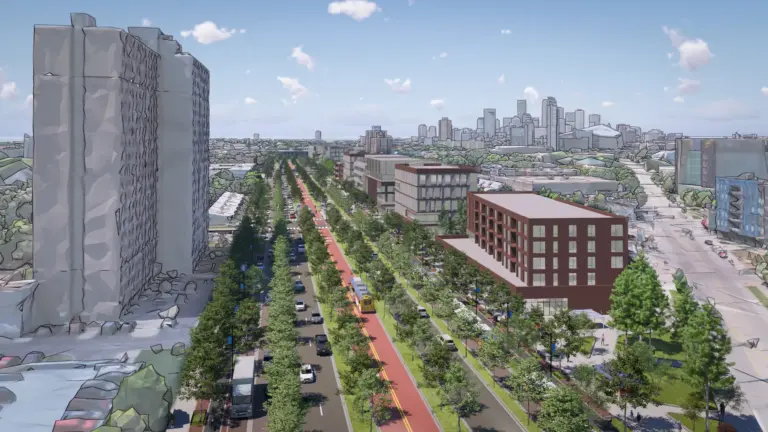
(267, 356)
(322, 346)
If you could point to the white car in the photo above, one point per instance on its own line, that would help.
(300, 306)
(307, 374)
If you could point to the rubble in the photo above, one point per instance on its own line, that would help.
(7, 397)
(172, 312)
(157, 349)
(76, 325)
(33, 357)
(178, 349)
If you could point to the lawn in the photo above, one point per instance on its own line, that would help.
(619, 425)
(674, 390)
(663, 346)
(757, 292)
(698, 426)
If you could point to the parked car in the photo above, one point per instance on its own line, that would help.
(267, 356)
(322, 346)
(298, 287)
(316, 318)
(300, 248)
(292, 256)
(447, 342)
(300, 306)
(307, 374)
(422, 312)
(260, 263)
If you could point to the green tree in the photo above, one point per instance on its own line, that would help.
(371, 397)
(572, 331)
(380, 276)
(692, 407)
(254, 281)
(421, 335)
(626, 298)
(563, 411)
(492, 351)
(626, 380)
(706, 346)
(461, 216)
(685, 305)
(458, 394)
(246, 330)
(447, 222)
(466, 328)
(436, 360)
(587, 378)
(527, 383)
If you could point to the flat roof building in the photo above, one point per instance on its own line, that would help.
(225, 208)
(553, 253)
(423, 191)
(379, 179)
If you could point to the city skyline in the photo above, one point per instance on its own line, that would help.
(398, 67)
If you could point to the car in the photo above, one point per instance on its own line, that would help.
(260, 264)
(307, 374)
(298, 287)
(322, 346)
(316, 318)
(447, 342)
(267, 356)
(708, 242)
(267, 298)
(422, 312)
(292, 256)
(300, 306)
(300, 248)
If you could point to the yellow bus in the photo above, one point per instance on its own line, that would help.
(363, 297)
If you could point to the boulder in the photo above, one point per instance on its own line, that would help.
(11, 377)
(128, 421)
(212, 255)
(178, 349)
(43, 331)
(157, 349)
(105, 428)
(33, 357)
(148, 394)
(76, 325)
(59, 357)
(7, 397)
(168, 322)
(128, 327)
(190, 287)
(154, 287)
(173, 274)
(165, 287)
(109, 328)
(172, 312)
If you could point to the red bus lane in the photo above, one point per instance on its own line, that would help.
(412, 415)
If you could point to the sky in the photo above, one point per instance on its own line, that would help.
(284, 69)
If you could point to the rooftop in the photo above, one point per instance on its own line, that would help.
(535, 206)
(603, 131)
(227, 204)
(558, 178)
(468, 247)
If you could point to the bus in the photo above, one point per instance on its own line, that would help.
(242, 387)
(363, 297)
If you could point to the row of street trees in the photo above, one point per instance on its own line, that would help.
(362, 378)
(439, 366)
(285, 407)
(231, 320)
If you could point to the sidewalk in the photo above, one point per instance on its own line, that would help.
(182, 411)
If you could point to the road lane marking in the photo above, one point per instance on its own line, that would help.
(321, 409)
(250, 425)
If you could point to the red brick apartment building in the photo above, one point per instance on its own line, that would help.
(553, 253)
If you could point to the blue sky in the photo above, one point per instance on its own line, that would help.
(583, 52)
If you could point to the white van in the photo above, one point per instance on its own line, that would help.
(447, 342)
(422, 311)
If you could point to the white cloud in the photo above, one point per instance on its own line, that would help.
(303, 58)
(242, 31)
(688, 86)
(531, 95)
(765, 91)
(29, 100)
(250, 101)
(506, 31)
(670, 55)
(361, 98)
(501, 79)
(437, 103)
(146, 22)
(607, 104)
(247, 71)
(8, 90)
(726, 110)
(294, 87)
(693, 53)
(666, 89)
(411, 2)
(358, 10)
(441, 55)
(208, 32)
(678, 99)
(399, 86)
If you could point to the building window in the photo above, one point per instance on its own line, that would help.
(571, 263)
(555, 249)
(617, 230)
(539, 247)
(571, 278)
(571, 230)
(538, 231)
(539, 263)
(591, 246)
(571, 247)
(525, 228)
(554, 263)
(590, 230)
(617, 246)
(519, 226)
(617, 262)
(538, 279)
(555, 282)
(590, 278)
(555, 232)
(591, 262)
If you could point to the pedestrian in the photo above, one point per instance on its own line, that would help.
(679, 427)
(631, 413)
(602, 339)
(639, 417)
